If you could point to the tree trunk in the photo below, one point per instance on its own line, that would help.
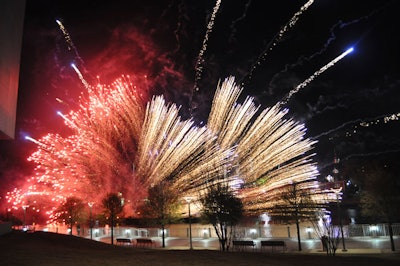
(223, 237)
(222, 242)
(70, 226)
(298, 234)
(163, 236)
(391, 236)
(112, 230)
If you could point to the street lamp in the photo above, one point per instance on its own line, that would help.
(90, 219)
(189, 200)
(337, 192)
(309, 231)
(24, 207)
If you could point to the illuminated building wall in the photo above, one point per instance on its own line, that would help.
(11, 30)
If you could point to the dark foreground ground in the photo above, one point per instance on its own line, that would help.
(40, 248)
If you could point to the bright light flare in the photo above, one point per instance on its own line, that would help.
(84, 82)
(32, 140)
(348, 51)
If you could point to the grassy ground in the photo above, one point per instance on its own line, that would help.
(40, 248)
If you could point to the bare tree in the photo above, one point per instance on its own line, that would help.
(380, 199)
(294, 204)
(326, 231)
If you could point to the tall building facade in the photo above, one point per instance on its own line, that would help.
(12, 14)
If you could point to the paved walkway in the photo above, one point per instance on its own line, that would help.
(354, 245)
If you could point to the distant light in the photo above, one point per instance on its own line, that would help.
(59, 113)
(373, 228)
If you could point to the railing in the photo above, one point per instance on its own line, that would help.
(207, 231)
(373, 230)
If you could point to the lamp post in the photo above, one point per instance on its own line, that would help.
(189, 200)
(337, 192)
(90, 219)
(24, 207)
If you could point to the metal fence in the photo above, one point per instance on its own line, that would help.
(307, 231)
(207, 231)
(372, 230)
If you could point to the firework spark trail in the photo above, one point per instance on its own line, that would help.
(228, 119)
(114, 130)
(366, 122)
(275, 40)
(84, 82)
(98, 158)
(68, 40)
(54, 170)
(348, 157)
(263, 155)
(67, 121)
(303, 59)
(337, 128)
(339, 25)
(200, 59)
(371, 154)
(270, 151)
(207, 167)
(170, 148)
(313, 76)
(110, 120)
(162, 132)
(66, 35)
(33, 140)
(178, 26)
(179, 21)
(242, 17)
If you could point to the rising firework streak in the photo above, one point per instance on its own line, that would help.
(277, 38)
(84, 82)
(313, 76)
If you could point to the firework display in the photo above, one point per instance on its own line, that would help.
(123, 138)
(120, 145)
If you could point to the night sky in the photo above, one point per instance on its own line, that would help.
(343, 108)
